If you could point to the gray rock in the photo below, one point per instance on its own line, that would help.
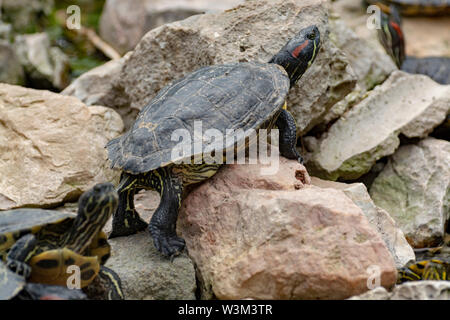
(370, 65)
(415, 290)
(11, 70)
(98, 87)
(378, 218)
(412, 105)
(414, 187)
(124, 22)
(145, 274)
(46, 67)
(242, 34)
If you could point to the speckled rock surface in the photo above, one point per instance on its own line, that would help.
(146, 275)
(51, 147)
(414, 187)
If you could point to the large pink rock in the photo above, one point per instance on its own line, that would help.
(277, 237)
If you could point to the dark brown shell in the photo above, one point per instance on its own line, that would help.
(232, 96)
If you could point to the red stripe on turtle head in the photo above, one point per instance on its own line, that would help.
(295, 53)
(397, 29)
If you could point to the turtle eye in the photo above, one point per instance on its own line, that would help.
(311, 36)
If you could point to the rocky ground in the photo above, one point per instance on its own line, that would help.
(376, 180)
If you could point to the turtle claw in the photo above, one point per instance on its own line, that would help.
(20, 268)
(169, 246)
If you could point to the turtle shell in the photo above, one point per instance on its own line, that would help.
(18, 222)
(50, 226)
(223, 97)
(10, 283)
(417, 7)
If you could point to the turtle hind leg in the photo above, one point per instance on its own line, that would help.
(126, 220)
(19, 255)
(163, 223)
(288, 136)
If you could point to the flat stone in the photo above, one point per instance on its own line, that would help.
(412, 105)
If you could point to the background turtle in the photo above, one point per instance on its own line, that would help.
(431, 264)
(41, 244)
(392, 38)
(231, 96)
(415, 7)
(15, 286)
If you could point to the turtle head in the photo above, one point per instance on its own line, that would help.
(299, 53)
(95, 207)
(391, 35)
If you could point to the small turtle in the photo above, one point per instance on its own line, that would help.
(432, 264)
(41, 245)
(14, 286)
(414, 7)
(392, 38)
(231, 96)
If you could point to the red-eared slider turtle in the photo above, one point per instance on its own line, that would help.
(231, 96)
(40, 244)
(14, 286)
(393, 40)
(415, 7)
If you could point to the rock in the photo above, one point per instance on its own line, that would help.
(46, 67)
(25, 15)
(124, 22)
(370, 64)
(241, 34)
(414, 290)
(275, 237)
(378, 218)
(146, 274)
(51, 147)
(414, 187)
(98, 87)
(11, 70)
(378, 293)
(412, 105)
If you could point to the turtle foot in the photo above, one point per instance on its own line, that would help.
(169, 245)
(19, 267)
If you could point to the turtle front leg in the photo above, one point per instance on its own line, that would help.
(126, 220)
(288, 136)
(20, 253)
(163, 223)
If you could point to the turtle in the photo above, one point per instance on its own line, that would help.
(234, 96)
(414, 7)
(392, 38)
(15, 286)
(431, 264)
(41, 244)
